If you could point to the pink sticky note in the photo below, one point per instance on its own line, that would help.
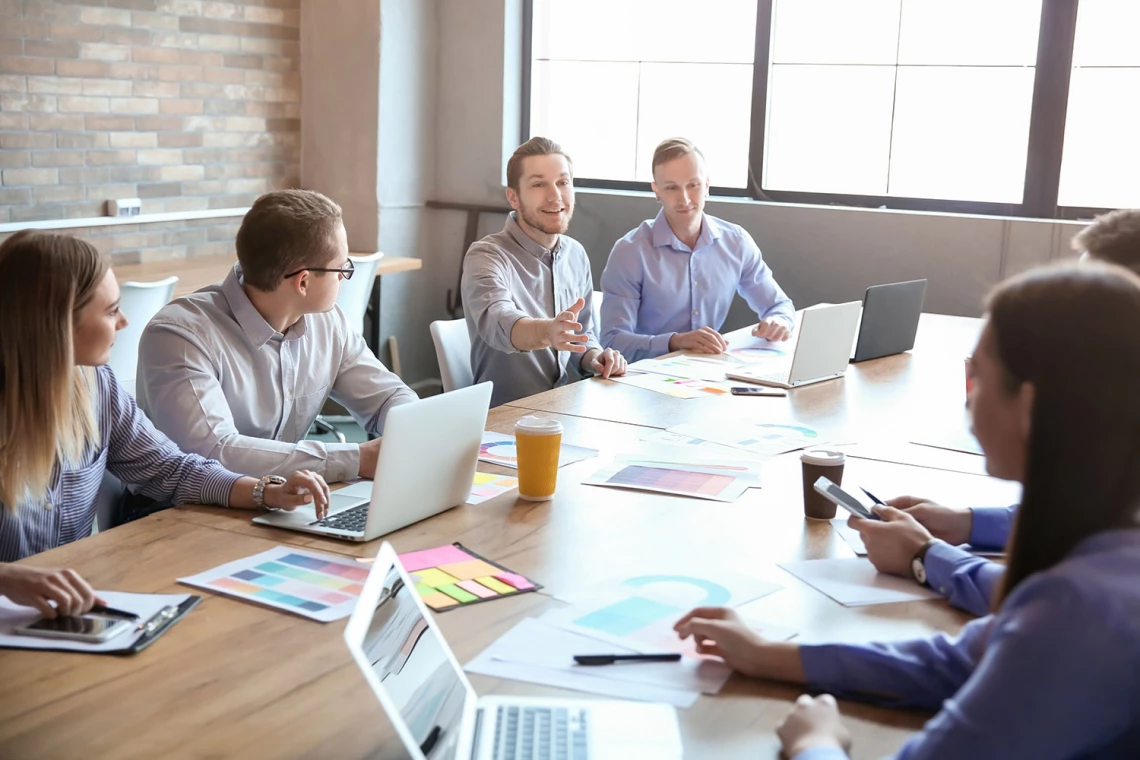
(478, 589)
(516, 580)
(441, 555)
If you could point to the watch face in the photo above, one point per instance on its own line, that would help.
(919, 570)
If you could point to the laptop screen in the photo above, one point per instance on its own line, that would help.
(410, 660)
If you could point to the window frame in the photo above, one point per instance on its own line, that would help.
(1045, 148)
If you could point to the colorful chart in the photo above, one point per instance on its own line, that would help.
(724, 483)
(452, 576)
(499, 448)
(751, 355)
(317, 586)
(657, 478)
(488, 486)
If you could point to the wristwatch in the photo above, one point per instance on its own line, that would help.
(259, 489)
(918, 564)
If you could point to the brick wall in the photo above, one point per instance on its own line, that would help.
(187, 104)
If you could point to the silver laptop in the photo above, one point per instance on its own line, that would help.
(426, 465)
(823, 348)
(437, 714)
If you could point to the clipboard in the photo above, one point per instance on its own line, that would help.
(151, 630)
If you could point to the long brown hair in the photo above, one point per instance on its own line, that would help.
(47, 413)
(1074, 333)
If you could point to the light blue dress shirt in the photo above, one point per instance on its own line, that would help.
(967, 581)
(1054, 674)
(656, 286)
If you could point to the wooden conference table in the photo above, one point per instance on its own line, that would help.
(237, 679)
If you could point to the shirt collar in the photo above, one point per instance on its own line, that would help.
(663, 235)
(248, 317)
(524, 240)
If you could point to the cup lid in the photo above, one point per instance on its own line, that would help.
(824, 457)
(538, 425)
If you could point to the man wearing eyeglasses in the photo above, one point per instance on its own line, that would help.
(238, 371)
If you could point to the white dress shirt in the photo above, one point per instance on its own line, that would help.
(221, 382)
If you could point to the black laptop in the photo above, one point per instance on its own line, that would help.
(890, 319)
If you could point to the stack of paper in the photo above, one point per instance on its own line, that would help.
(856, 582)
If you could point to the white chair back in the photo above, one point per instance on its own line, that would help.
(355, 293)
(139, 302)
(453, 350)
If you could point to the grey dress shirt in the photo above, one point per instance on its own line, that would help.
(506, 277)
(215, 377)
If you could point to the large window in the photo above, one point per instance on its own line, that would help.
(1023, 107)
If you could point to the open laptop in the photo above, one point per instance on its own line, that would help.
(437, 714)
(823, 349)
(890, 319)
(426, 465)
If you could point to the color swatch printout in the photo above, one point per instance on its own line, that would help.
(499, 448)
(678, 387)
(488, 486)
(453, 576)
(716, 481)
(318, 586)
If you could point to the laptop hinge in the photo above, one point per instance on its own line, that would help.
(475, 734)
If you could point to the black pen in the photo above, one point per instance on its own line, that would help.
(102, 609)
(610, 659)
(874, 498)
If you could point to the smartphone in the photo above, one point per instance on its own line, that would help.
(846, 499)
(745, 390)
(92, 629)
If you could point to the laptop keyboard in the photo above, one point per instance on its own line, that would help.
(777, 376)
(540, 733)
(351, 520)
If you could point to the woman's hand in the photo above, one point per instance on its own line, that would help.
(813, 723)
(38, 587)
(302, 487)
(720, 631)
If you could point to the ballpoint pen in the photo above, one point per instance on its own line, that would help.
(102, 609)
(610, 659)
(874, 498)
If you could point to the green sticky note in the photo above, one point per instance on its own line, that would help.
(424, 590)
(458, 594)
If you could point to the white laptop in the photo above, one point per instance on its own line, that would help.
(823, 349)
(426, 465)
(437, 714)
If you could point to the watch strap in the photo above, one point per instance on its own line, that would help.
(259, 489)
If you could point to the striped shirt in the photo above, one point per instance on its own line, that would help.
(132, 450)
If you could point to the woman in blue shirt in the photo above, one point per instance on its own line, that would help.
(1053, 672)
(65, 420)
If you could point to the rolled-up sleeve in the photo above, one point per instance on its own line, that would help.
(487, 297)
(141, 456)
(180, 387)
(621, 306)
(759, 289)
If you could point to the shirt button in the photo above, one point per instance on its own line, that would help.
(697, 313)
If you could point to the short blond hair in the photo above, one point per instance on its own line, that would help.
(1113, 237)
(285, 231)
(673, 147)
(535, 146)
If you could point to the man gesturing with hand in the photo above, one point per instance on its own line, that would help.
(528, 294)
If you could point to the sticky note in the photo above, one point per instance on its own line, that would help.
(441, 555)
(458, 594)
(496, 585)
(433, 577)
(514, 579)
(438, 601)
(424, 590)
(472, 568)
(483, 478)
(477, 589)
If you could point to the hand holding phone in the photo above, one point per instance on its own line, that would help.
(747, 390)
(845, 499)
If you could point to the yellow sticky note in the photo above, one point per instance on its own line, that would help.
(496, 585)
(483, 478)
(439, 600)
(434, 577)
(470, 569)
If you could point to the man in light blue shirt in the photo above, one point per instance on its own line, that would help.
(669, 283)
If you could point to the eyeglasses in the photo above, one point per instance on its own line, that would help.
(346, 272)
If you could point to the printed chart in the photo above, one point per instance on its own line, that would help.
(317, 586)
(678, 387)
(765, 439)
(498, 448)
(487, 486)
(452, 576)
(716, 481)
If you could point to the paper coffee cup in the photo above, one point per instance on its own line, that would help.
(538, 442)
(816, 464)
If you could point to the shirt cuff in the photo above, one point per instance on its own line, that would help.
(217, 486)
(342, 462)
(940, 562)
(659, 344)
(990, 527)
(822, 753)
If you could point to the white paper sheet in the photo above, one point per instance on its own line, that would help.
(487, 486)
(698, 446)
(499, 448)
(143, 605)
(762, 439)
(672, 385)
(849, 535)
(687, 367)
(536, 652)
(716, 482)
(856, 583)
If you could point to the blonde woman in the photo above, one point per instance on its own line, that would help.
(64, 420)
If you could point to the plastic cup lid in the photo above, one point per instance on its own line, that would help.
(538, 425)
(824, 457)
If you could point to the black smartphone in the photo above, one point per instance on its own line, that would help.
(752, 390)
